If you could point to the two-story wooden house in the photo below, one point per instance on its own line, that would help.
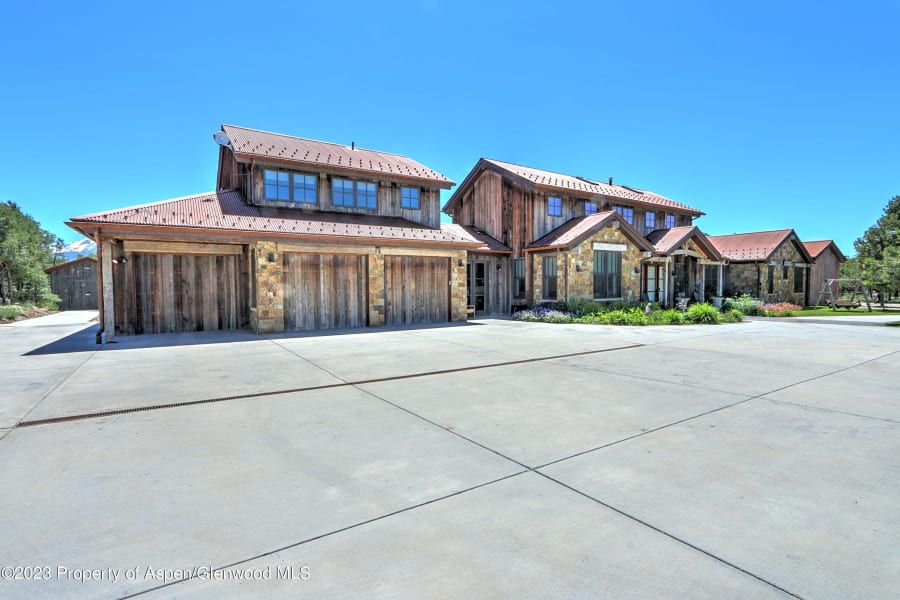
(299, 235)
(557, 237)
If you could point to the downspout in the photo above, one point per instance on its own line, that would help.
(99, 286)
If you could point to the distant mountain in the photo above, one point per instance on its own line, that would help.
(77, 249)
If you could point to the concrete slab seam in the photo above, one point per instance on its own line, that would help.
(336, 531)
(122, 411)
(829, 410)
(55, 387)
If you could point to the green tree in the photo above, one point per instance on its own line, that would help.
(25, 250)
(877, 260)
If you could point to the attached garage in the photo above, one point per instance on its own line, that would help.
(416, 289)
(168, 293)
(324, 291)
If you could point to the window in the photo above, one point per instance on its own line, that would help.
(650, 221)
(670, 221)
(784, 272)
(305, 188)
(798, 280)
(710, 281)
(607, 274)
(519, 278)
(354, 193)
(554, 206)
(590, 208)
(409, 198)
(626, 212)
(278, 186)
(550, 277)
(770, 287)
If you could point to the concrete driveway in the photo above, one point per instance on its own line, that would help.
(486, 460)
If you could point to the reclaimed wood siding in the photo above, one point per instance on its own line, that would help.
(416, 289)
(488, 205)
(165, 293)
(76, 285)
(324, 291)
(826, 266)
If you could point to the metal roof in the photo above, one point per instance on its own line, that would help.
(253, 143)
(667, 240)
(746, 247)
(226, 210)
(572, 184)
(489, 244)
(70, 263)
(816, 248)
(574, 231)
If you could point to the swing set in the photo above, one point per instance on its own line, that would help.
(835, 303)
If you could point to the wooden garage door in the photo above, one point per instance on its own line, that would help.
(166, 293)
(416, 289)
(324, 291)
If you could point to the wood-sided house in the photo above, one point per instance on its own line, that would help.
(299, 235)
(552, 237)
(75, 282)
(770, 265)
(826, 264)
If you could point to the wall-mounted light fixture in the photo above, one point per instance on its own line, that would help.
(271, 257)
(459, 262)
(498, 266)
(120, 260)
(637, 270)
(578, 267)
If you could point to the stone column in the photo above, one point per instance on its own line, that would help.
(376, 289)
(269, 288)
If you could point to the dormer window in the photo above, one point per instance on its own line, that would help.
(409, 198)
(554, 206)
(290, 187)
(590, 208)
(360, 194)
(627, 213)
(650, 221)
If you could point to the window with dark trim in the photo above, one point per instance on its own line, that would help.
(784, 272)
(409, 198)
(290, 187)
(590, 208)
(798, 280)
(670, 221)
(650, 220)
(519, 278)
(627, 213)
(770, 287)
(549, 276)
(554, 206)
(360, 194)
(607, 274)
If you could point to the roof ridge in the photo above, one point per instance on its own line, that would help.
(305, 139)
(752, 232)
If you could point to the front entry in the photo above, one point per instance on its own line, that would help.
(476, 274)
(653, 282)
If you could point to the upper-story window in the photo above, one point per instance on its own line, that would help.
(554, 206)
(670, 221)
(409, 198)
(627, 213)
(279, 186)
(590, 208)
(650, 220)
(360, 194)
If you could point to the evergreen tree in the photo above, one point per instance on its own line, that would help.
(25, 250)
(877, 260)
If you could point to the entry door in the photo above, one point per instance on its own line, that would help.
(476, 273)
(652, 282)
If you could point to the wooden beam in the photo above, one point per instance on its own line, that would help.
(109, 314)
(148, 247)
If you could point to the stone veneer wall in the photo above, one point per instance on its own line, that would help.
(581, 284)
(268, 316)
(376, 290)
(459, 294)
(742, 277)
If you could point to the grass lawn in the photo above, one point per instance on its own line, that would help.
(824, 311)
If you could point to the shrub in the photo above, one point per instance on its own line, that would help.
(542, 315)
(580, 307)
(735, 316)
(782, 309)
(745, 303)
(671, 317)
(703, 313)
(9, 312)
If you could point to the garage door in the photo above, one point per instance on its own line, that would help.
(165, 293)
(416, 289)
(324, 291)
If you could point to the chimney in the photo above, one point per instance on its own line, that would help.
(610, 181)
(353, 145)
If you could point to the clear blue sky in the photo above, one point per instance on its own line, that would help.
(765, 114)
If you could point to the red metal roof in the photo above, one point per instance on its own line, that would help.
(69, 263)
(226, 210)
(489, 244)
(667, 240)
(816, 248)
(575, 230)
(744, 247)
(569, 183)
(252, 143)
